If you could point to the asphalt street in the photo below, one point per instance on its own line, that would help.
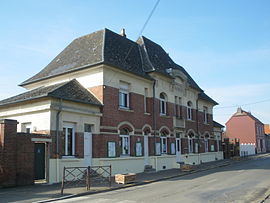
(246, 181)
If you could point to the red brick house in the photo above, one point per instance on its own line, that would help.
(134, 107)
(267, 136)
(249, 129)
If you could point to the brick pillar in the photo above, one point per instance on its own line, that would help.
(8, 132)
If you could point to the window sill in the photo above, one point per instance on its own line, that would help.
(147, 114)
(125, 109)
(164, 116)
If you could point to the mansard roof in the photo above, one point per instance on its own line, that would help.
(71, 91)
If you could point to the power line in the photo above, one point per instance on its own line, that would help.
(144, 26)
(247, 104)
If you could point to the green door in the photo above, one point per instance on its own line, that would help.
(39, 161)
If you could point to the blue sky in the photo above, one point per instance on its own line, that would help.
(224, 45)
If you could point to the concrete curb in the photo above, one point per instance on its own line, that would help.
(133, 184)
(154, 180)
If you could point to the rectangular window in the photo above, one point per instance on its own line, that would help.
(190, 145)
(125, 144)
(163, 145)
(179, 107)
(124, 95)
(205, 112)
(145, 99)
(69, 140)
(176, 109)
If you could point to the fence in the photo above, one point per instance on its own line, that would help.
(86, 176)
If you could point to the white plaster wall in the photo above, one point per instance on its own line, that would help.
(38, 114)
(163, 162)
(122, 164)
(203, 157)
(113, 76)
(247, 149)
(89, 77)
(78, 114)
(56, 167)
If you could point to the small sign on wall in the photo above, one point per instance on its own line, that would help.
(111, 149)
(172, 148)
(138, 149)
(158, 148)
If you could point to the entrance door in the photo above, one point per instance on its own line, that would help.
(88, 149)
(146, 151)
(39, 161)
(178, 149)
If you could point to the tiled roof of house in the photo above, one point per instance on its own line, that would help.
(71, 91)
(241, 112)
(218, 125)
(107, 47)
(266, 129)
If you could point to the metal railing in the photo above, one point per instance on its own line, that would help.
(86, 176)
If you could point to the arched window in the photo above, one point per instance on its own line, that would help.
(163, 140)
(189, 110)
(125, 141)
(190, 142)
(163, 103)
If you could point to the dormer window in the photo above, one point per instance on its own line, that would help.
(163, 103)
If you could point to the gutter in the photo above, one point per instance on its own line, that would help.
(57, 139)
(154, 115)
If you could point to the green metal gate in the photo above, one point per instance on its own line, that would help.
(39, 161)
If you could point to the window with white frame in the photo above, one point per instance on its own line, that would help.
(189, 110)
(163, 104)
(205, 113)
(125, 142)
(163, 141)
(145, 99)
(124, 95)
(69, 139)
(190, 143)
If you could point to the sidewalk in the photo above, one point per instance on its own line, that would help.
(46, 192)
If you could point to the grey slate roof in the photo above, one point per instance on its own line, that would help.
(218, 125)
(205, 97)
(71, 91)
(107, 47)
(160, 60)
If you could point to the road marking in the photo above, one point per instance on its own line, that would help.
(240, 171)
(210, 181)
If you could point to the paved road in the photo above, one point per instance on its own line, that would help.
(247, 181)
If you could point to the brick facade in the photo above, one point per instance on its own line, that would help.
(16, 155)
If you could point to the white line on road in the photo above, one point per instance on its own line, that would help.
(210, 181)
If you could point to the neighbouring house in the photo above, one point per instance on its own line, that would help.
(108, 100)
(267, 136)
(249, 130)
